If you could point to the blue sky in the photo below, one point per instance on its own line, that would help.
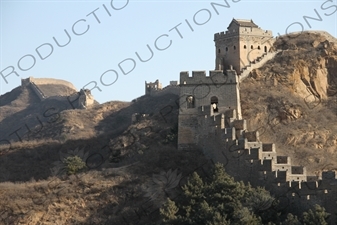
(116, 30)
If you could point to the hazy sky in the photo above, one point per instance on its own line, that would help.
(105, 36)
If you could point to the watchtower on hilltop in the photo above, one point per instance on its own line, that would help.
(242, 44)
(152, 86)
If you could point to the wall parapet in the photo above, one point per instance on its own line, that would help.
(214, 77)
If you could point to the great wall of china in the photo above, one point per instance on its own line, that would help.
(81, 99)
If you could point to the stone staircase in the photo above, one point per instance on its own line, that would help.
(248, 159)
(260, 61)
(253, 150)
(38, 91)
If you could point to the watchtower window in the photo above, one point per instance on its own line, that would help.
(234, 47)
(244, 46)
(265, 48)
(219, 50)
(251, 47)
(190, 101)
(226, 49)
(214, 104)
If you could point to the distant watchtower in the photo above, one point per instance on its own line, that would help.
(242, 43)
(152, 86)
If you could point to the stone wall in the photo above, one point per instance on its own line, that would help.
(223, 137)
(170, 89)
(226, 140)
(37, 91)
(34, 83)
(40, 81)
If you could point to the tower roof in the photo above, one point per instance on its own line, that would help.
(243, 23)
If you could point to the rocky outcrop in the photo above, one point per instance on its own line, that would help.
(292, 99)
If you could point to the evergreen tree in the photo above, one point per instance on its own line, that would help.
(291, 220)
(220, 200)
(318, 216)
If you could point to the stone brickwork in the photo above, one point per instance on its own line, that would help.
(226, 140)
(243, 43)
(202, 97)
(210, 119)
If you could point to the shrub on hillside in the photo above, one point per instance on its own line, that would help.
(74, 164)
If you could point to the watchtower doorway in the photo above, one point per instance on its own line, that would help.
(214, 104)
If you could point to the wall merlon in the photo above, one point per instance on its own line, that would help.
(214, 77)
(253, 154)
(199, 74)
(296, 178)
(313, 178)
(328, 175)
(252, 136)
(298, 170)
(266, 165)
(269, 156)
(219, 35)
(281, 176)
(240, 124)
(229, 133)
(295, 185)
(268, 147)
(283, 159)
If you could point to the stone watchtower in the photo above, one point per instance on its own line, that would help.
(243, 43)
(152, 87)
(205, 103)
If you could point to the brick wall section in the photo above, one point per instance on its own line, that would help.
(223, 137)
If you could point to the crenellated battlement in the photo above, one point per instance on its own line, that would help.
(215, 77)
(242, 32)
(248, 159)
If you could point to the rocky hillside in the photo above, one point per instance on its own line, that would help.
(22, 111)
(292, 99)
(132, 163)
(122, 159)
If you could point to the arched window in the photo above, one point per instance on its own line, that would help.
(258, 47)
(190, 101)
(214, 104)
(265, 48)
(251, 47)
(226, 49)
(244, 46)
(234, 47)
